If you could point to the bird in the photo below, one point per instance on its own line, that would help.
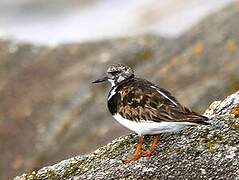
(145, 108)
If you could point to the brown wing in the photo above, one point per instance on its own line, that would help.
(151, 103)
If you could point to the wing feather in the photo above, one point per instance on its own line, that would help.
(146, 103)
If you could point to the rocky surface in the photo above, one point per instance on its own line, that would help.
(50, 111)
(204, 152)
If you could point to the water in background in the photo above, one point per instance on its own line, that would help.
(60, 21)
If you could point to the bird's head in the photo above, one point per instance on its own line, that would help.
(117, 73)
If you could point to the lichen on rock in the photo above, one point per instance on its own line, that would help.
(203, 152)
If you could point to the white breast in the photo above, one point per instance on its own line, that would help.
(112, 92)
(150, 127)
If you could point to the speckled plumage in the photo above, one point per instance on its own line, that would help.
(139, 100)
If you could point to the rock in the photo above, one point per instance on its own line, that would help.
(49, 110)
(226, 106)
(203, 152)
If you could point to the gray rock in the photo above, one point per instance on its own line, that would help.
(203, 152)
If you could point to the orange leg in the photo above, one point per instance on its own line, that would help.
(152, 149)
(137, 151)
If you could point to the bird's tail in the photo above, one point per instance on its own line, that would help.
(198, 119)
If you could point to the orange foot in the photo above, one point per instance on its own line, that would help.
(128, 160)
(152, 148)
(136, 153)
(146, 153)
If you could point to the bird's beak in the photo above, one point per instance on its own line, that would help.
(101, 80)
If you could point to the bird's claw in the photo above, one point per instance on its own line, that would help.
(146, 153)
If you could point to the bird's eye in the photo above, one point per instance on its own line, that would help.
(113, 73)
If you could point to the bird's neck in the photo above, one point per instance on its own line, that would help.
(116, 86)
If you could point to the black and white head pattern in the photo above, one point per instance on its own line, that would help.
(118, 73)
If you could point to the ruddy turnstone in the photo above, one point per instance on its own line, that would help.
(145, 108)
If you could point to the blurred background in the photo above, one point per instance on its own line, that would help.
(50, 51)
(60, 21)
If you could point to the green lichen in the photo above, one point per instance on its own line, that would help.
(73, 167)
(51, 175)
(212, 146)
(32, 176)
